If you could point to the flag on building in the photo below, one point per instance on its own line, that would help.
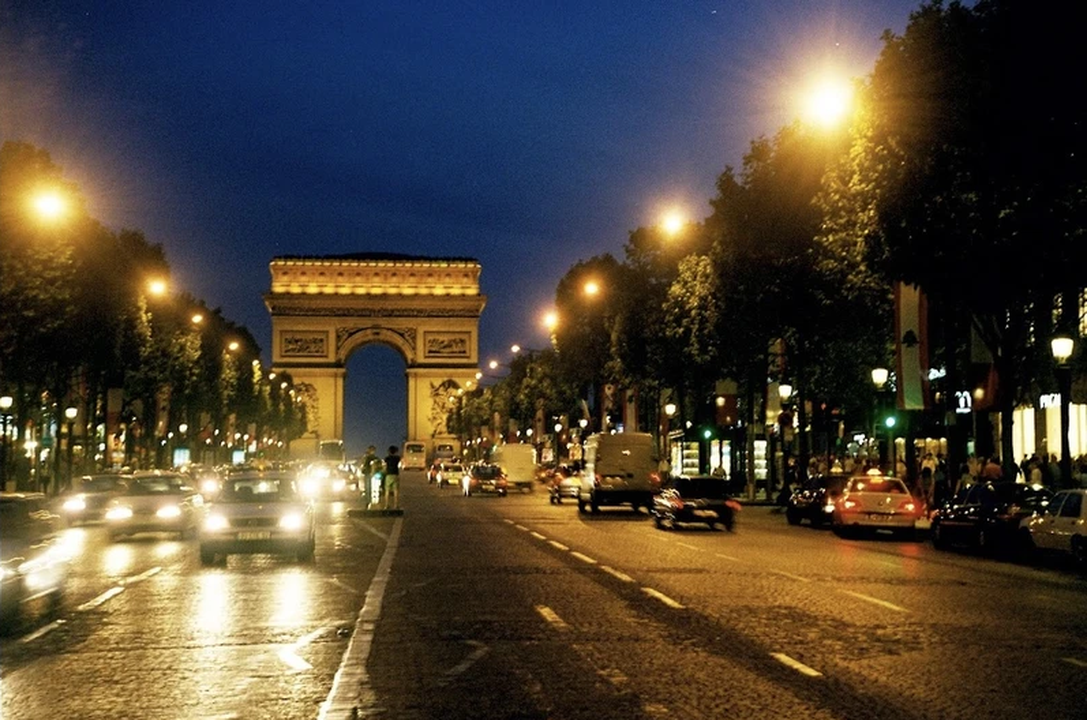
(911, 344)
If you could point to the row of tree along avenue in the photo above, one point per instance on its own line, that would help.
(958, 176)
(102, 363)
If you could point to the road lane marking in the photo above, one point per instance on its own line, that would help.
(615, 573)
(1074, 661)
(351, 695)
(877, 601)
(372, 530)
(141, 577)
(662, 597)
(790, 575)
(727, 557)
(341, 584)
(796, 665)
(557, 544)
(463, 665)
(31, 637)
(289, 654)
(615, 677)
(521, 527)
(583, 558)
(689, 547)
(537, 535)
(552, 617)
(507, 521)
(104, 597)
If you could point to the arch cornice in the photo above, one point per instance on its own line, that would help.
(352, 337)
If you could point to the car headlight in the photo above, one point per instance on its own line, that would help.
(209, 487)
(338, 485)
(309, 487)
(828, 508)
(213, 523)
(119, 512)
(75, 504)
(292, 521)
(168, 511)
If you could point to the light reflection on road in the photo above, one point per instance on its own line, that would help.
(212, 616)
(117, 560)
(293, 595)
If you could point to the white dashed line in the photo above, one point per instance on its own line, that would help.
(726, 557)
(689, 547)
(521, 527)
(557, 544)
(141, 577)
(877, 601)
(341, 584)
(583, 558)
(615, 573)
(796, 665)
(552, 617)
(372, 530)
(104, 597)
(662, 597)
(782, 573)
(463, 665)
(31, 637)
(507, 521)
(1074, 661)
(537, 535)
(289, 655)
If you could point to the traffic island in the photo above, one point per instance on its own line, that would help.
(375, 512)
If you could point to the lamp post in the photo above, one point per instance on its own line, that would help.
(1063, 347)
(6, 402)
(70, 414)
(879, 379)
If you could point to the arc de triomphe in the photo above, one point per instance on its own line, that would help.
(325, 308)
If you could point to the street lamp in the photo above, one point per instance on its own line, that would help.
(1063, 347)
(879, 379)
(70, 414)
(49, 205)
(6, 402)
(672, 222)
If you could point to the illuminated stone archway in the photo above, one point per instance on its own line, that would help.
(325, 308)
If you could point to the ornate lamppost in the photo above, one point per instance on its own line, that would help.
(879, 379)
(70, 414)
(1063, 347)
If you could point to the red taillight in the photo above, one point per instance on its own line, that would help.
(596, 480)
(908, 506)
(655, 478)
(677, 502)
(848, 504)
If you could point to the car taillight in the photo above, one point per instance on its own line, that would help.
(655, 478)
(848, 504)
(908, 506)
(596, 480)
(678, 503)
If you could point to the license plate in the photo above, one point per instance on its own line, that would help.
(254, 535)
(488, 486)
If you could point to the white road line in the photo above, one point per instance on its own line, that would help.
(789, 575)
(1074, 661)
(727, 557)
(796, 665)
(351, 695)
(662, 597)
(877, 601)
(537, 535)
(111, 593)
(507, 521)
(557, 544)
(615, 677)
(341, 584)
(521, 527)
(372, 530)
(463, 665)
(615, 573)
(583, 558)
(31, 637)
(141, 577)
(689, 547)
(289, 654)
(552, 617)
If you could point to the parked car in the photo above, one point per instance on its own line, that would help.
(875, 502)
(1062, 526)
(484, 478)
(33, 561)
(153, 501)
(565, 482)
(258, 512)
(814, 499)
(987, 515)
(699, 499)
(89, 497)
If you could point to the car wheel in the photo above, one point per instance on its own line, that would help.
(207, 557)
(792, 517)
(552, 499)
(594, 505)
(1024, 542)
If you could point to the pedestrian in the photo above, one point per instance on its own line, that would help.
(369, 464)
(992, 470)
(392, 479)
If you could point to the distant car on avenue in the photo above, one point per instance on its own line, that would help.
(258, 512)
(814, 500)
(1062, 526)
(702, 499)
(89, 497)
(155, 502)
(484, 478)
(875, 502)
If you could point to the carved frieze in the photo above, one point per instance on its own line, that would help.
(303, 343)
(446, 345)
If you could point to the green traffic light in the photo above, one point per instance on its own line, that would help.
(890, 421)
(707, 433)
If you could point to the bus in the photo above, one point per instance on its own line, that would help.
(414, 456)
(332, 450)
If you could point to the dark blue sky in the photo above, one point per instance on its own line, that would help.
(529, 135)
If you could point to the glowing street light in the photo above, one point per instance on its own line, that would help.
(551, 320)
(197, 318)
(49, 205)
(233, 346)
(828, 101)
(592, 288)
(157, 287)
(673, 221)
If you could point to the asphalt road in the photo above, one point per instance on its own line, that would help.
(488, 607)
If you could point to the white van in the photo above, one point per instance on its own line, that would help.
(414, 456)
(518, 463)
(620, 469)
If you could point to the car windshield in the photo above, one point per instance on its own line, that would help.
(156, 486)
(711, 488)
(486, 472)
(878, 485)
(98, 484)
(454, 468)
(258, 489)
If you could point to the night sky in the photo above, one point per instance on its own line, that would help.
(528, 135)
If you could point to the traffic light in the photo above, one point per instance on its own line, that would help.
(707, 433)
(889, 421)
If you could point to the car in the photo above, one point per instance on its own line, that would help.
(484, 478)
(259, 512)
(206, 479)
(1061, 527)
(89, 497)
(33, 558)
(620, 468)
(814, 500)
(327, 480)
(987, 515)
(155, 502)
(697, 499)
(449, 473)
(875, 502)
(565, 482)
